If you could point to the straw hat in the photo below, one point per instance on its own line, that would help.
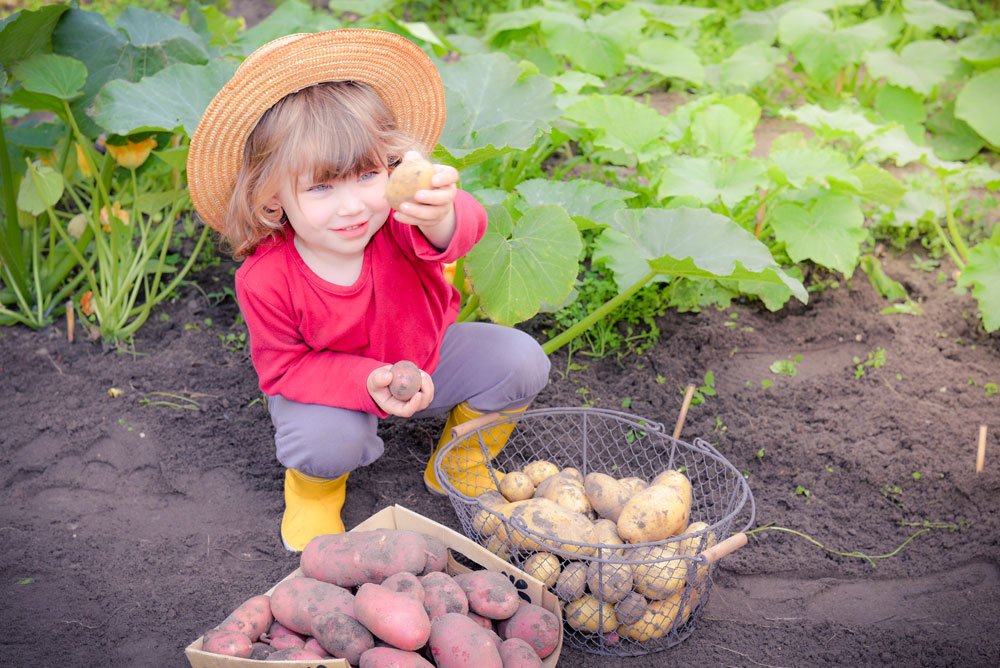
(394, 67)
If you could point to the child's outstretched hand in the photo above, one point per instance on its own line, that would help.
(432, 209)
(378, 386)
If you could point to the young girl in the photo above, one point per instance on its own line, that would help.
(290, 163)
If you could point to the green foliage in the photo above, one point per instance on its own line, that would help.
(789, 367)
(875, 360)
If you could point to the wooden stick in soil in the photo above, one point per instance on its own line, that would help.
(981, 450)
(70, 323)
(684, 411)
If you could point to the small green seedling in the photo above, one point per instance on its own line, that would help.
(991, 389)
(788, 367)
(875, 360)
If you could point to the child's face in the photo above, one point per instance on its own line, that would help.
(334, 220)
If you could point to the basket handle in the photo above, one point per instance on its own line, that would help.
(462, 430)
(728, 546)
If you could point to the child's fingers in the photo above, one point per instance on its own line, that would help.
(444, 175)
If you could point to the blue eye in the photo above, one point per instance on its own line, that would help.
(368, 175)
(318, 187)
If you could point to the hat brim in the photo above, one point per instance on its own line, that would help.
(394, 67)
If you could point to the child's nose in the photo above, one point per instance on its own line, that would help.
(350, 202)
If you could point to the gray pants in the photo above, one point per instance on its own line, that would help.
(491, 367)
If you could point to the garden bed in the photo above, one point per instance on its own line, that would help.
(132, 523)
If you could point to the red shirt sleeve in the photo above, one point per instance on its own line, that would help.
(470, 226)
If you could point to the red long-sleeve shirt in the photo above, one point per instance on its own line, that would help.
(315, 342)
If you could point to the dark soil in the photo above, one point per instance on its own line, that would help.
(131, 524)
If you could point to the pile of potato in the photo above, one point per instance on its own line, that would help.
(587, 556)
(382, 598)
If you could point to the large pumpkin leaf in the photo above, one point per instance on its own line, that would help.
(675, 16)
(748, 66)
(982, 272)
(48, 74)
(668, 58)
(41, 188)
(799, 166)
(824, 50)
(492, 109)
(976, 105)
(518, 266)
(28, 32)
(591, 204)
(828, 232)
(163, 35)
(929, 14)
(596, 45)
(693, 243)
(174, 97)
(920, 66)
(640, 139)
(709, 180)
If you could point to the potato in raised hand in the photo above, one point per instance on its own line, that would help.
(405, 380)
(406, 179)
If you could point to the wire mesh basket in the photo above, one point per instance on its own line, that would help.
(619, 598)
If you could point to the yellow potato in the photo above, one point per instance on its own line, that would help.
(678, 481)
(566, 491)
(572, 582)
(633, 485)
(547, 517)
(653, 514)
(517, 486)
(607, 495)
(664, 575)
(656, 621)
(631, 608)
(406, 179)
(611, 582)
(540, 470)
(543, 566)
(589, 615)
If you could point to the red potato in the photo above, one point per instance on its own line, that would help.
(251, 618)
(437, 555)
(405, 583)
(293, 654)
(390, 657)
(357, 557)
(280, 636)
(482, 621)
(395, 618)
(458, 642)
(515, 653)
(260, 651)
(342, 636)
(297, 601)
(490, 593)
(312, 645)
(406, 380)
(227, 643)
(443, 595)
(535, 625)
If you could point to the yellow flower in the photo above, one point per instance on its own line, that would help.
(132, 154)
(117, 212)
(82, 162)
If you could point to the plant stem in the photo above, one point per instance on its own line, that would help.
(956, 236)
(11, 250)
(597, 315)
(469, 309)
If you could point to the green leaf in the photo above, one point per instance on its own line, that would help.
(640, 138)
(903, 106)
(896, 144)
(41, 188)
(591, 204)
(722, 131)
(675, 16)
(28, 33)
(752, 26)
(929, 14)
(879, 185)
(520, 265)
(976, 105)
(49, 74)
(823, 50)
(692, 243)
(840, 122)
(982, 272)
(745, 68)
(982, 51)
(829, 232)
(173, 97)
(492, 109)
(163, 33)
(920, 66)
(800, 166)
(668, 58)
(710, 180)
(951, 138)
(884, 284)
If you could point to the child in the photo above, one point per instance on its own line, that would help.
(290, 163)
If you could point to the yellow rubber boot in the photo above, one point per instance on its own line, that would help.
(312, 508)
(465, 463)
